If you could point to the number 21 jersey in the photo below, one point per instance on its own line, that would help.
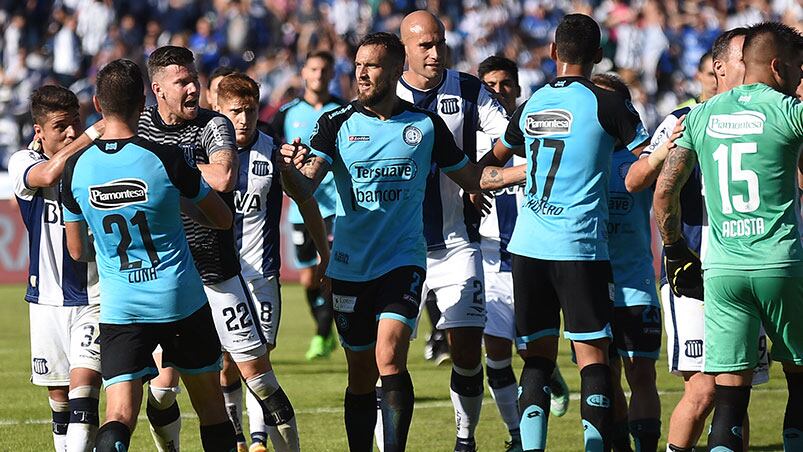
(128, 193)
(569, 129)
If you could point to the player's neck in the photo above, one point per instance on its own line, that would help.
(166, 116)
(317, 100)
(118, 129)
(384, 109)
(420, 82)
(573, 70)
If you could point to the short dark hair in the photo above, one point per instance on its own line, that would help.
(120, 90)
(240, 86)
(322, 54)
(389, 41)
(719, 50)
(167, 56)
(577, 39)
(50, 99)
(499, 63)
(706, 56)
(220, 71)
(612, 82)
(786, 40)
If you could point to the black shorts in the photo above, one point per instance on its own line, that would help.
(189, 345)
(306, 253)
(360, 305)
(583, 290)
(637, 331)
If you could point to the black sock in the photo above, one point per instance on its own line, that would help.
(793, 418)
(278, 409)
(324, 314)
(730, 408)
(360, 417)
(61, 420)
(84, 410)
(434, 312)
(397, 410)
(646, 433)
(675, 448)
(596, 409)
(259, 437)
(534, 400)
(620, 436)
(218, 437)
(159, 418)
(111, 436)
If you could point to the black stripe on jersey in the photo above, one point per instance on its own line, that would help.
(470, 87)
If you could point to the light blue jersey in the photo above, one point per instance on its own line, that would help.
(630, 238)
(569, 129)
(296, 119)
(381, 170)
(128, 193)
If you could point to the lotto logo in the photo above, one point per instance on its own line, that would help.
(694, 348)
(40, 366)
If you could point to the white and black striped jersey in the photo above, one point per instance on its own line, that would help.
(466, 106)
(213, 250)
(258, 207)
(54, 278)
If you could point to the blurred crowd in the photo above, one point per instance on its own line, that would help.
(654, 45)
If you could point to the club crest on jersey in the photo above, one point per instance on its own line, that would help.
(261, 168)
(412, 135)
(450, 105)
(548, 122)
(118, 193)
(735, 124)
(189, 154)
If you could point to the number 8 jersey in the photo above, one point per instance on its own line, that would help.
(747, 142)
(128, 192)
(570, 129)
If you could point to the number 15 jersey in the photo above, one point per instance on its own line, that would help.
(570, 129)
(128, 192)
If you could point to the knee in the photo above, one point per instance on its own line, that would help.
(701, 400)
(642, 373)
(363, 373)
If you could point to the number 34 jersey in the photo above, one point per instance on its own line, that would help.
(747, 142)
(128, 191)
(570, 129)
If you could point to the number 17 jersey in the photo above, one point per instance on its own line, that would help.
(569, 129)
(128, 193)
(747, 142)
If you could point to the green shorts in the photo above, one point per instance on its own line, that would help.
(737, 302)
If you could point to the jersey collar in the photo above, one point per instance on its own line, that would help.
(401, 106)
(433, 89)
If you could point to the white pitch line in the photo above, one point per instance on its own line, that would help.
(338, 410)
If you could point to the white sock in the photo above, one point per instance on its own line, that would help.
(61, 409)
(379, 430)
(233, 398)
(83, 419)
(256, 420)
(283, 436)
(165, 436)
(467, 407)
(506, 397)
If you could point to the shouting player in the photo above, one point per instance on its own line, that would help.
(296, 119)
(152, 293)
(62, 293)
(454, 259)
(746, 142)
(258, 206)
(380, 149)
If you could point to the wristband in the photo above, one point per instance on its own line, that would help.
(92, 133)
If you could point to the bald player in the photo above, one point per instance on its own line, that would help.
(451, 224)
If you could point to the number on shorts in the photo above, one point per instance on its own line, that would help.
(89, 335)
(233, 323)
(478, 298)
(265, 312)
(415, 286)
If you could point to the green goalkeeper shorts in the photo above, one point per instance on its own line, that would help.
(737, 302)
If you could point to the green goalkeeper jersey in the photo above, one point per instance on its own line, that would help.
(747, 142)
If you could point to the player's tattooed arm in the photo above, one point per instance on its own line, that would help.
(48, 174)
(79, 243)
(644, 172)
(675, 172)
(300, 181)
(221, 171)
(473, 178)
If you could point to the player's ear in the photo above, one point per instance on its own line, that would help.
(598, 56)
(553, 51)
(37, 132)
(776, 66)
(719, 69)
(157, 90)
(96, 103)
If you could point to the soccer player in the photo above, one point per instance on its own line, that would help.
(746, 142)
(454, 259)
(684, 314)
(569, 129)
(62, 293)
(380, 149)
(637, 315)
(209, 138)
(151, 292)
(258, 207)
(296, 119)
(214, 81)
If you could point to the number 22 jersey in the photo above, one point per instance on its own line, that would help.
(128, 191)
(570, 129)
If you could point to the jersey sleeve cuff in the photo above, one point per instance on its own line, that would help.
(203, 191)
(70, 216)
(25, 174)
(641, 137)
(322, 155)
(460, 165)
(504, 141)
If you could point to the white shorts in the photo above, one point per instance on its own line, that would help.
(234, 314)
(456, 277)
(268, 301)
(499, 302)
(63, 338)
(685, 329)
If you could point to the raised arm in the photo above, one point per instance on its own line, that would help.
(220, 172)
(644, 172)
(47, 174)
(301, 182)
(666, 202)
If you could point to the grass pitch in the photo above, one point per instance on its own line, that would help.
(316, 390)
